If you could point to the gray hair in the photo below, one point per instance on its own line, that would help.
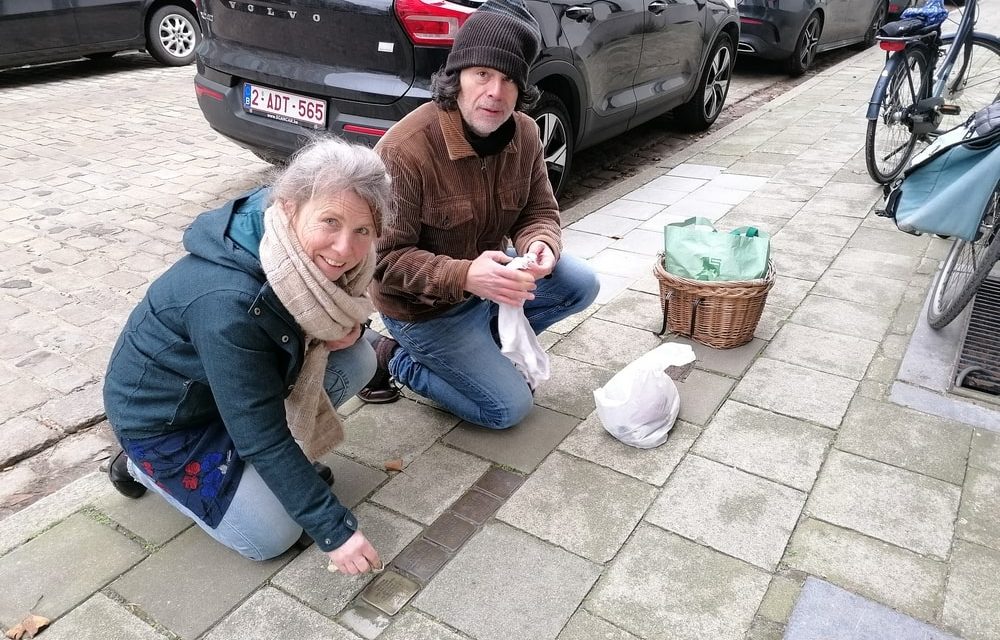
(327, 166)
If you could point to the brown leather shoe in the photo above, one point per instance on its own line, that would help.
(381, 389)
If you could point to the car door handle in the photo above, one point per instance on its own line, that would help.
(657, 7)
(580, 14)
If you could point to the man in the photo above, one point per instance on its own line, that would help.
(467, 173)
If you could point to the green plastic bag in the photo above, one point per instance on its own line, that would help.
(693, 249)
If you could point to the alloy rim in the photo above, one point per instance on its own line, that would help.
(717, 82)
(177, 35)
(810, 40)
(554, 146)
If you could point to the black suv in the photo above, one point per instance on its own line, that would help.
(272, 72)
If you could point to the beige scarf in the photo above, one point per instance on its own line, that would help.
(325, 310)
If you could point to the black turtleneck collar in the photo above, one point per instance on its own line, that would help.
(495, 142)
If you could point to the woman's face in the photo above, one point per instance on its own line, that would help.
(336, 232)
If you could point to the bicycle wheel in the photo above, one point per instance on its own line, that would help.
(890, 139)
(974, 81)
(965, 267)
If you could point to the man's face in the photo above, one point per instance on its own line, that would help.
(486, 99)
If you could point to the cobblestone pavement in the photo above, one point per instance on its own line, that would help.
(791, 478)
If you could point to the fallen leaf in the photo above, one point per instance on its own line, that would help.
(27, 628)
(394, 465)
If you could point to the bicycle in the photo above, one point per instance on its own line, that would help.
(915, 98)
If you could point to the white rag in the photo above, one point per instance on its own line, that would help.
(518, 341)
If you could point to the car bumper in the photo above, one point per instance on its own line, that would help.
(220, 98)
(767, 33)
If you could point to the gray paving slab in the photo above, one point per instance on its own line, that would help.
(606, 344)
(150, 517)
(881, 263)
(611, 286)
(585, 626)
(100, 617)
(572, 322)
(973, 591)
(985, 453)
(767, 444)
(570, 389)
(529, 587)
(826, 611)
(375, 433)
(759, 204)
(898, 506)
(800, 265)
(701, 393)
(905, 438)
(731, 362)
(579, 506)
(169, 585)
(353, 482)
(770, 321)
(605, 225)
(640, 241)
(22, 436)
(634, 309)
(888, 240)
(793, 390)
(425, 487)
(307, 578)
(899, 578)
(364, 620)
(979, 514)
(729, 510)
(690, 206)
(582, 244)
(828, 223)
(788, 292)
(780, 599)
(653, 195)
(871, 290)
(847, 356)
(735, 219)
(843, 316)
(678, 183)
(808, 243)
(412, 625)
(617, 262)
(695, 170)
(663, 586)
(61, 568)
(269, 613)
(591, 441)
(630, 209)
(32, 520)
(521, 447)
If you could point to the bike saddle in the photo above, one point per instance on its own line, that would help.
(905, 28)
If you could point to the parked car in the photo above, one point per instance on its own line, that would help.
(37, 31)
(270, 76)
(794, 31)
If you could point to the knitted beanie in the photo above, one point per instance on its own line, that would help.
(501, 35)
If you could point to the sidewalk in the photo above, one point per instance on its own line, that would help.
(793, 498)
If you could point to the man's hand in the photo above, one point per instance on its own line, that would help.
(357, 555)
(545, 260)
(348, 340)
(489, 278)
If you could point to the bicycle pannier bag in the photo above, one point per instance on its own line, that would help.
(947, 188)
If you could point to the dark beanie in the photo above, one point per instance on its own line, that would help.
(501, 35)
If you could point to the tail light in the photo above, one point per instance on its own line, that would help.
(891, 45)
(432, 22)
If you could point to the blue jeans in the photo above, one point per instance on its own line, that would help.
(454, 358)
(256, 524)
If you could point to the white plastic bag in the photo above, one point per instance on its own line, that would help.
(640, 403)
(517, 339)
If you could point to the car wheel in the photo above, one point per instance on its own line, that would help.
(556, 131)
(878, 20)
(805, 47)
(698, 113)
(172, 36)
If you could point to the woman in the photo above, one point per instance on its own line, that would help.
(222, 385)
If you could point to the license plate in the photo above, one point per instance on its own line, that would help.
(285, 106)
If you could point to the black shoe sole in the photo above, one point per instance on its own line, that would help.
(121, 480)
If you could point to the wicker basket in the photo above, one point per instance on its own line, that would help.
(719, 314)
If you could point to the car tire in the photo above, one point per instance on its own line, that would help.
(878, 20)
(704, 107)
(172, 35)
(805, 46)
(556, 131)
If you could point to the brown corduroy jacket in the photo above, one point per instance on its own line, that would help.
(450, 205)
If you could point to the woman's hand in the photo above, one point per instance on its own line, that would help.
(357, 555)
(348, 340)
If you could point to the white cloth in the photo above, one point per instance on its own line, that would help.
(518, 341)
